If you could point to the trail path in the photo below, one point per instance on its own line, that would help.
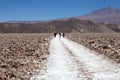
(69, 60)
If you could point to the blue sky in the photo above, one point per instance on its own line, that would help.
(50, 9)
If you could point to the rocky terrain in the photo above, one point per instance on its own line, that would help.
(22, 54)
(106, 44)
(69, 60)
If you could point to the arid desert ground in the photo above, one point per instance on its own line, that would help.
(24, 55)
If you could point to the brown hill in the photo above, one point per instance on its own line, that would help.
(70, 25)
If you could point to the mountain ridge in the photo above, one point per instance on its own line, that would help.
(104, 20)
(105, 15)
(68, 26)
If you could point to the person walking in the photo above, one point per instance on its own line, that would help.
(55, 34)
(63, 35)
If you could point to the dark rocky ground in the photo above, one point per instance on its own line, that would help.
(107, 44)
(22, 54)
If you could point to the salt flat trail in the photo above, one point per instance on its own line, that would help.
(69, 60)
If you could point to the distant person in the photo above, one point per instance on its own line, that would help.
(55, 34)
(63, 35)
(59, 34)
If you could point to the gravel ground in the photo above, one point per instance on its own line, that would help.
(22, 54)
(107, 44)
